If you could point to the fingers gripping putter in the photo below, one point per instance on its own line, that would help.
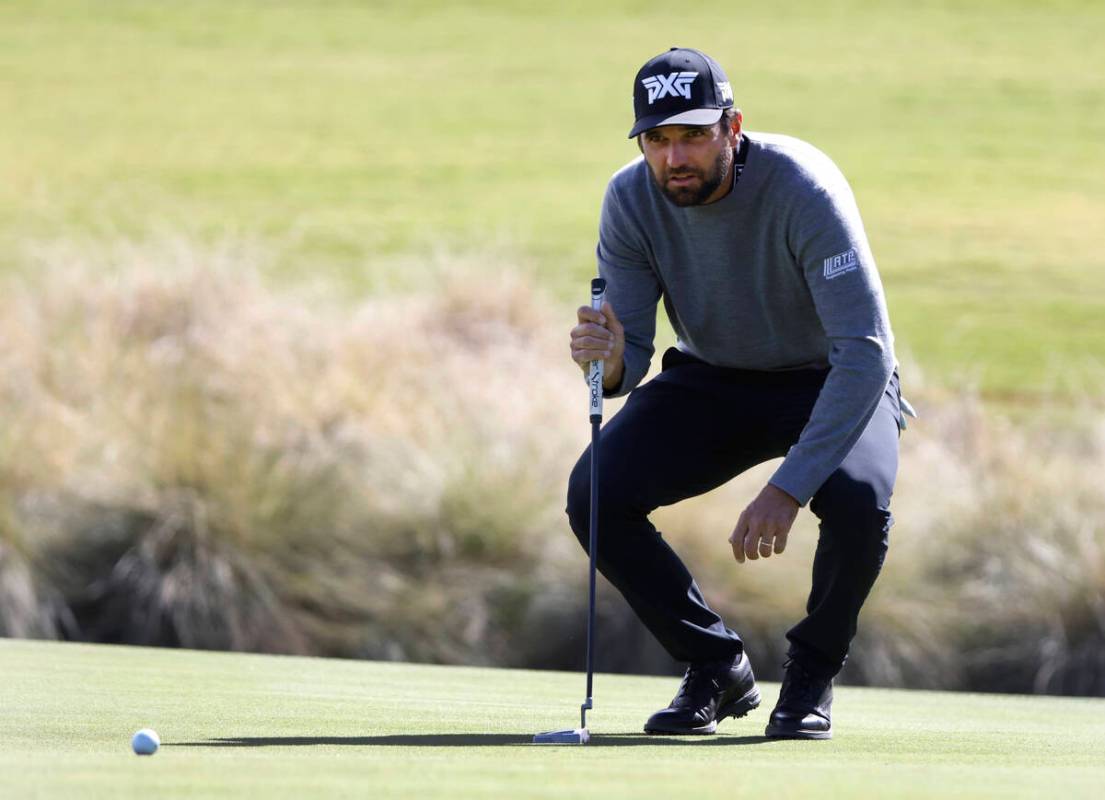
(580, 735)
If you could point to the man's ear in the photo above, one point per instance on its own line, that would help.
(736, 123)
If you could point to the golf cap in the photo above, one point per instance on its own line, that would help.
(679, 87)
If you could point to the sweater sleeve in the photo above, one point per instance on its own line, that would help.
(632, 287)
(830, 246)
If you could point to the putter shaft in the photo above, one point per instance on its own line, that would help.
(594, 381)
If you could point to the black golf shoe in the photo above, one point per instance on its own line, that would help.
(710, 691)
(805, 703)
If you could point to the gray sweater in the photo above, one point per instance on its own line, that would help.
(776, 275)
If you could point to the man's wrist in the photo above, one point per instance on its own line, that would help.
(776, 483)
(782, 493)
(612, 378)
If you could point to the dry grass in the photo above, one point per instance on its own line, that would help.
(191, 457)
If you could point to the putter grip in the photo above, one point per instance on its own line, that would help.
(595, 371)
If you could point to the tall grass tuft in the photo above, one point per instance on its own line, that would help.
(1028, 558)
(217, 464)
(193, 457)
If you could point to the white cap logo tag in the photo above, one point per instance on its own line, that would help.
(670, 85)
(726, 91)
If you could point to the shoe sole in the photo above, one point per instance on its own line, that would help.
(773, 732)
(734, 708)
(740, 707)
(704, 730)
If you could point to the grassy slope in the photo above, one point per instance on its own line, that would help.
(246, 725)
(348, 133)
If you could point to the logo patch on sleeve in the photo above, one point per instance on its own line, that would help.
(837, 265)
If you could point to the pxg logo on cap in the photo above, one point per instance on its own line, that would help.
(680, 87)
(677, 83)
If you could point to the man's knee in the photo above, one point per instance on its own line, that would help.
(853, 507)
(579, 498)
(618, 504)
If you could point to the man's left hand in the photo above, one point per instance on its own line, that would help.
(763, 527)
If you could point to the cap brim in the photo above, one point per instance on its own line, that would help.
(698, 116)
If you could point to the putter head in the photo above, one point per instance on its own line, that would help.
(575, 736)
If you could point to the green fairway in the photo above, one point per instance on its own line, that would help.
(255, 726)
(351, 137)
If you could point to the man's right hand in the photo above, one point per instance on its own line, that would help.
(599, 336)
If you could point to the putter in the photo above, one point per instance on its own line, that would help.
(581, 735)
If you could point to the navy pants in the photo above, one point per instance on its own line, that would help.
(694, 427)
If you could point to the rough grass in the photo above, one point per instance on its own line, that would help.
(192, 458)
(265, 727)
(353, 134)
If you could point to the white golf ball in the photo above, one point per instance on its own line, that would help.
(146, 742)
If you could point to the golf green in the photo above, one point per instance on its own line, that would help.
(254, 726)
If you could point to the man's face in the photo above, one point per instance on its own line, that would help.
(690, 164)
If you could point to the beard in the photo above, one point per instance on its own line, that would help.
(709, 181)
